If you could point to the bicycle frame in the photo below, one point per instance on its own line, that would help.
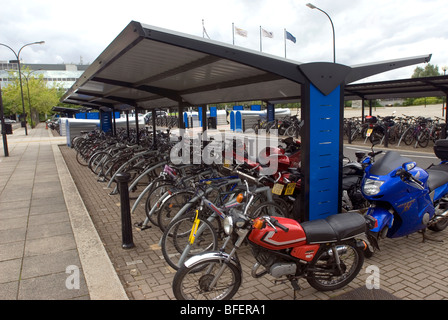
(124, 165)
(221, 212)
(149, 187)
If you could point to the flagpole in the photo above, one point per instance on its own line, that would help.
(233, 33)
(284, 36)
(204, 32)
(261, 50)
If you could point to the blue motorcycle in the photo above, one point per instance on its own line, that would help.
(405, 198)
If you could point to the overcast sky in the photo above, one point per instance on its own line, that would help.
(366, 30)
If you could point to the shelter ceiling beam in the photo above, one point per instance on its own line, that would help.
(233, 83)
(162, 92)
(131, 102)
(181, 69)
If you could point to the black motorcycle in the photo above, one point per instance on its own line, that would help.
(352, 174)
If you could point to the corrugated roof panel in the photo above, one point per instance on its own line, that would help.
(148, 59)
(268, 90)
(217, 72)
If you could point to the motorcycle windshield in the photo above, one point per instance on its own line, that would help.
(391, 161)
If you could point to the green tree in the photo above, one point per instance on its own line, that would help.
(38, 97)
(430, 70)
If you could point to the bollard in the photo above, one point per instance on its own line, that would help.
(349, 132)
(386, 137)
(126, 225)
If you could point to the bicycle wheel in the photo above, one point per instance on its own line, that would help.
(176, 240)
(376, 137)
(408, 136)
(324, 275)
(111, 166)
(171, 206)
(355, 133)
(290, 131)
(195, 283)
(423, 139)
(393, 135)
(268, 209)
(81, 159)
(97, 159)
(154, 195)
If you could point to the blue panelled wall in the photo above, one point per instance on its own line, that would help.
(322, 156)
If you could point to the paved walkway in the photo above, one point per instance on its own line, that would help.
(49, 248)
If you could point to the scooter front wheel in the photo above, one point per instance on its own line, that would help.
(324, 274)
(211, 279)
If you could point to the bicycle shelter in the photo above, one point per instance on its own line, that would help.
(147, 67)
(403, 88)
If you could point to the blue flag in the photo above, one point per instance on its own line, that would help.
(290, 37)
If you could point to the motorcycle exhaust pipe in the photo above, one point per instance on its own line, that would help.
(439, 217)
(341, 249)
(254, 273)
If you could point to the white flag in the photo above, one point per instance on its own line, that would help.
(241, 32)
(267, 33)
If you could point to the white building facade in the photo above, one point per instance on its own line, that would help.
(63, 75)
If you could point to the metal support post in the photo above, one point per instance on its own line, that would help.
(3, 127)
(126, 225)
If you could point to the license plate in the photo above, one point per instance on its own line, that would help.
(290, 188)
(194, 229)
(369, 132)
(277, 189)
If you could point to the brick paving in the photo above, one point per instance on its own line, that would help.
(409, 268)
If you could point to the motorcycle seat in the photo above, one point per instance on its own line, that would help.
(437, 176)
(337, 227)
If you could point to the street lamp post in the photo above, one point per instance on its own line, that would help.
(311, 6)
(444, 99)
(20, 73)
(27, 77)
(3, 126)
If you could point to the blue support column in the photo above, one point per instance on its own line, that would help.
(106, 121)
(325, 149)
(270, 112)
(322, 156)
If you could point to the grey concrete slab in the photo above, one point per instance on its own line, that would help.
(50, 287)
(9, 290)
(37, 231)
(45, 264)
(10, 270)
(13, 205)
(13, 223)
(13, 213)
(46, 205)
(48, 218)
(9, 251)
(13, 235)
(54, 244)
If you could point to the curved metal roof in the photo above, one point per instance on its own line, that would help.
(149, 67)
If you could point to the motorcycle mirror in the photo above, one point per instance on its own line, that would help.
(360, 156)
(409, 165)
